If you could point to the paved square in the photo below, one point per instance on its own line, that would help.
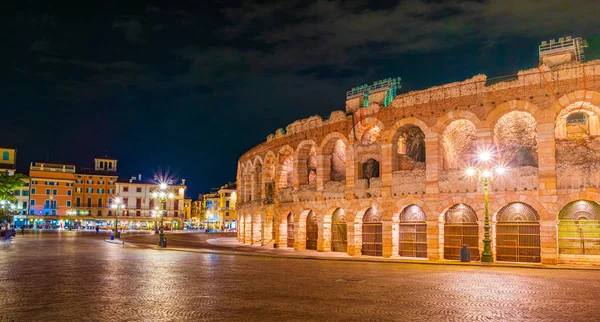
(74, 276)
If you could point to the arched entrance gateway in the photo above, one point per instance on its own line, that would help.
(518, 233)
(339, 232)
(579, 228)
(412, 233)
(312, 231)
(290, 230)
(460, 228)
(372, 241)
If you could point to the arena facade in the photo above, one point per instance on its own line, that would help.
(386, 176)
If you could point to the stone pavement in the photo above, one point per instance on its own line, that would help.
(75, 276)
(206, 243)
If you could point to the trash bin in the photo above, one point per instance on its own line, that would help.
(112, 237)
(465, 254)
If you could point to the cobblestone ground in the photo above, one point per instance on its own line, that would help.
(75, 276)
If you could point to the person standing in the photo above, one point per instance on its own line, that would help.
(97, 230)
(22, 229)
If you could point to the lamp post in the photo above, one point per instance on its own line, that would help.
(162, 194)
(485, 174)
(117, 205)
(8, 208)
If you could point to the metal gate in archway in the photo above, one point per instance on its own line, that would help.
(518, 234)
(460, 228)
(412, 233)
(339, 232)
(290, 231)
(312, 231)
(372, 234)
(579, 228)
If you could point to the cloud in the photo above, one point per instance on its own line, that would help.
(132, 29)
(346, 32)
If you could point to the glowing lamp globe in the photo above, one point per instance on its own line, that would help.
(485, 156)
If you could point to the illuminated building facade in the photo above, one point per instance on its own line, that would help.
(142, 211)
(386, 177)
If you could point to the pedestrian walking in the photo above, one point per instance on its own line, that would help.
(23, 230)
(97, 230)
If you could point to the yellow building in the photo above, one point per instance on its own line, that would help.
(218, 208)
(8, 160)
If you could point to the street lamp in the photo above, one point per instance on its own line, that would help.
(162, 194)
(117, 205)
(485, 174)
(8, 208)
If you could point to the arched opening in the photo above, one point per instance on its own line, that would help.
(458, 142)
(269, 179)
(408, 148)
(257, 182)
(312, 231)
(516, 136)
(370, 169)
(286, 170)
(579, 228)
(412, 232)
(518, 234)
(334, 166)
(101, 163)
(577, 146)
(339, 232)
(372, 231)
(290, 230)
(577, 125)
(248, 185)
(460, 228)
(370, 135)
(307, 165)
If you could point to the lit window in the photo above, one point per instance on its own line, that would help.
(5, 156)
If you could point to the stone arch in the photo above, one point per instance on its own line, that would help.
(575, 196)
(515, 105)
(334, 150)
(578, 231)
(306, 156)
(460, 228)
(411, 239)
(257, 178)
(452, 116)
(246, 181)
(458, 143)
(286, 167)
(268, 175)
(408, 145)
(512, 198)
(371, 126)
(300, 229)
(583, 101)
(517, 233)
(446, 204)
(516, 139)
(372, 232)
(339, 229)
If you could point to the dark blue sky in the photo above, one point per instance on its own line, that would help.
(193, 85)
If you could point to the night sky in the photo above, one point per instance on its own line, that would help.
(191, 86)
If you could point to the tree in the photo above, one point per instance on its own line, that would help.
(8, 185)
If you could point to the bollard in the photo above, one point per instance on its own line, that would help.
(465, 254)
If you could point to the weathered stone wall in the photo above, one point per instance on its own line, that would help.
(544, 173)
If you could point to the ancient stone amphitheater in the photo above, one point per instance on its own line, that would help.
(386, 177)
